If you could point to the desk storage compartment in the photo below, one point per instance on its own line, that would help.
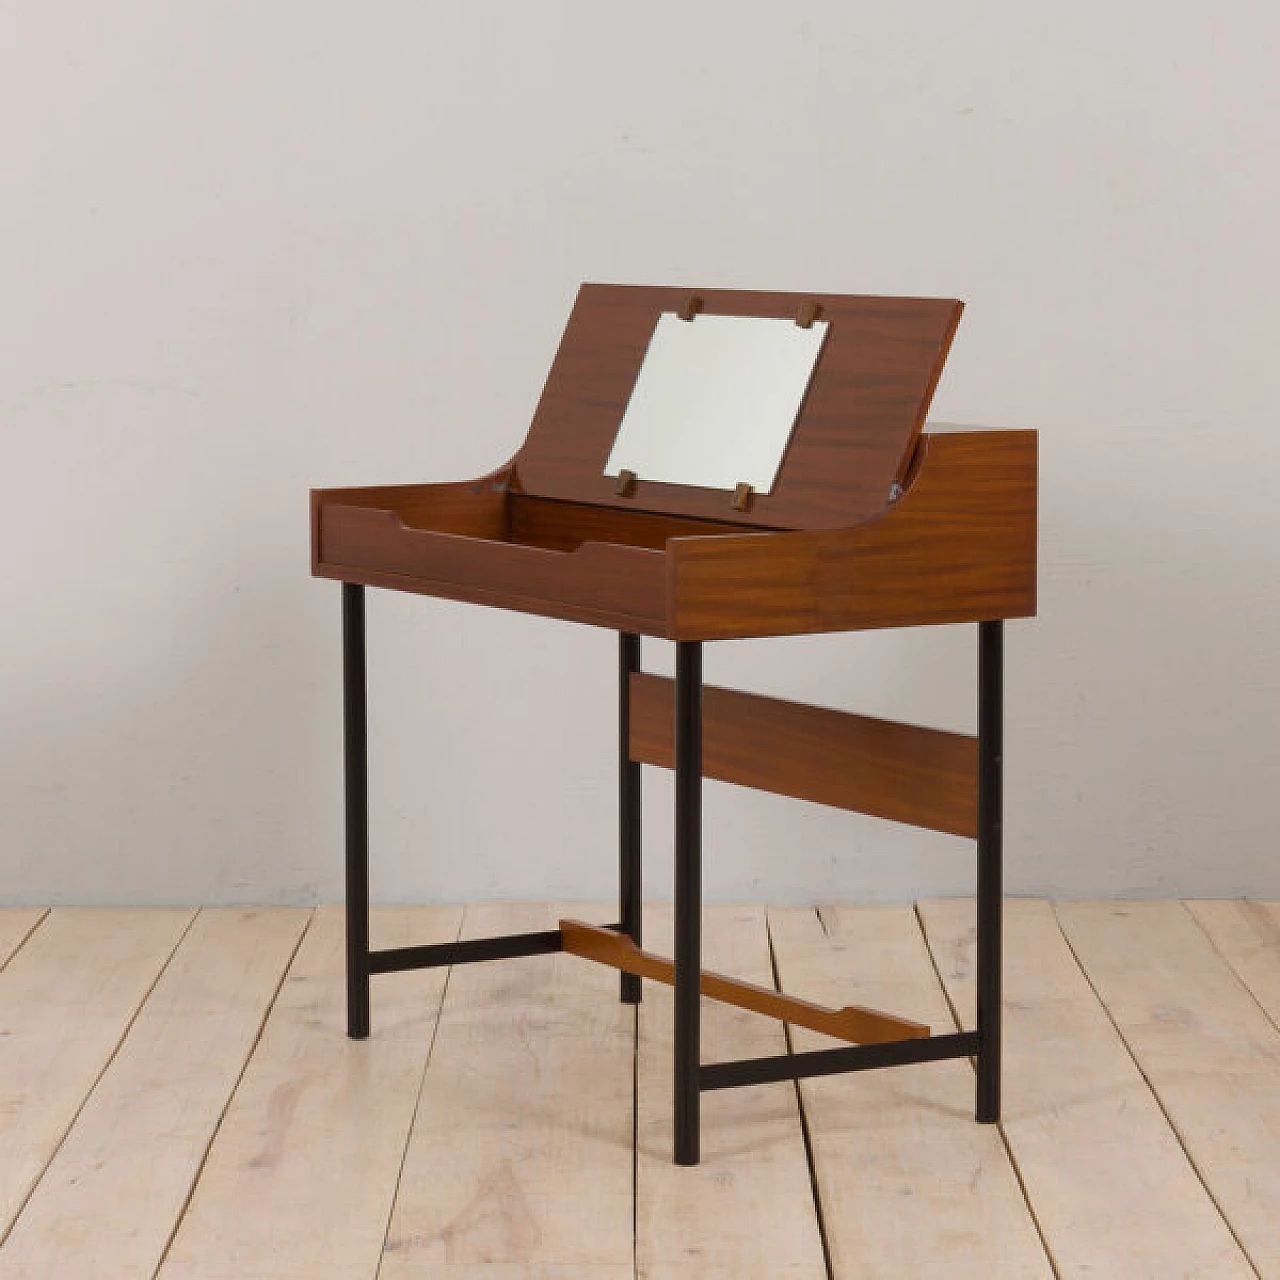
(481, 542)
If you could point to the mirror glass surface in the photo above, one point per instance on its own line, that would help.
(716, 400)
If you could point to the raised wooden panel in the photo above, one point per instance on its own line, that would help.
(853, 437)
(960, 546)
(924, 777)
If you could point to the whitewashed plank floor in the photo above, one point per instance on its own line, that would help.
(178, 1100)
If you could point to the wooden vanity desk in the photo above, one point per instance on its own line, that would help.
(870, 522)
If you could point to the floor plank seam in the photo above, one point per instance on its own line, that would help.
(1235, 973)
(958, 1024)
(417, 1101)
(1164, 1111)
(804, 1119)
(106, 1066)
(826, 932)
(226, 1106)
(22, 942)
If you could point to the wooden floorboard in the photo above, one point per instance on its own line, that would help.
(747, 1210)
(501, 1138)
(520, 1159)
(1247, 936)
(66, 1000)
(887, 1140)
(16, 925)
(1210, 1052)
(300, 1178)
(1111, 1187)
(109, 1200)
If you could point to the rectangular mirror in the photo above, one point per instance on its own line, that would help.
(716, 400)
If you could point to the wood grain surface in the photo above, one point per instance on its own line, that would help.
(853, 437)
(853, 1023)
(960, 546)
(67, 999)
(109, 1200)
(520, 1158)
(1113, 1191)
(924, 777)
(16, 926)
(909, 1185)
(301, 1177)
(746, 1212)
(541, 1148)
(1205, 1045)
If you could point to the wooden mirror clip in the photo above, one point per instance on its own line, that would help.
(742, 496)
(626, 485)
(692, 305)
(807, 314)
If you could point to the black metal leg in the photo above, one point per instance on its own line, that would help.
(990, 855)
(355, 760)
(688, 950)
(629, 845)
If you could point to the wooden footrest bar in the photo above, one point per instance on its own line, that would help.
(852, 1023)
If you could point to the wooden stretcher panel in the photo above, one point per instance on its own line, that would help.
(923, 777)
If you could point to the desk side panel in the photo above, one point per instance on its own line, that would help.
(960, 546)
(474, 508)
(601, 584)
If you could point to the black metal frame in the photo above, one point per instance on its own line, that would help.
(691, 1077)
(990, 864)
(630, 887)
(355, 757)
(827, 1062)
(396, 959)
(688, 887)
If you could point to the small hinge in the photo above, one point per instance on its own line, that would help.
(626, 483)
(742, 495)
(808, 313)
(692, 305)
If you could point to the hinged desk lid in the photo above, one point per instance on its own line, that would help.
(853, 438)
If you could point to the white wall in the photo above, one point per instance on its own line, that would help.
(247, 248)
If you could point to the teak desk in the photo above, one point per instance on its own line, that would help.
(870, 524)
